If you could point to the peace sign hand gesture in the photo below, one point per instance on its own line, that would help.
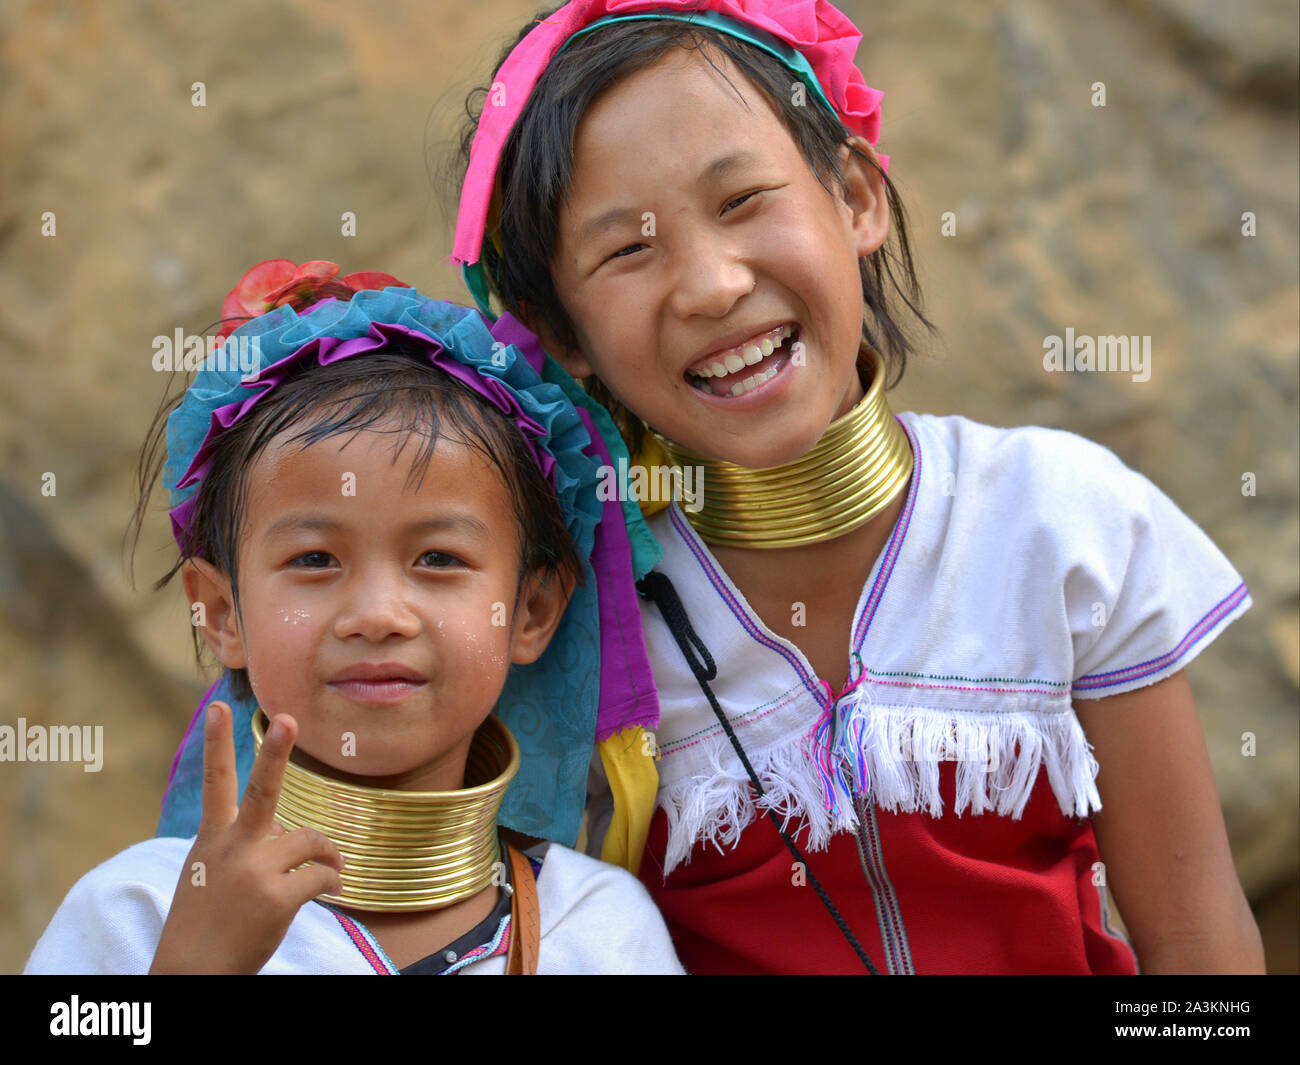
(246, 877)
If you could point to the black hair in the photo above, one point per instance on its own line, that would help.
(536, 176)
(396, 386)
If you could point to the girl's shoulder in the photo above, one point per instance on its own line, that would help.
(144, 871)
(570, 880)
(1066, 501)
(111, 919)
(598, 918)
(1029, 461)
(1061, 527)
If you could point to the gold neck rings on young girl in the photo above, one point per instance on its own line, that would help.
(407, 850)
(860, 464)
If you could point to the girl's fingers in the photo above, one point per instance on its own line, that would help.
(304, 845)
(220, 780)
(257, 811)
(311, 880)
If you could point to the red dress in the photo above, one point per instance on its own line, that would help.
(922, 894)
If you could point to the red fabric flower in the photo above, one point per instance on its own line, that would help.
(275, 282)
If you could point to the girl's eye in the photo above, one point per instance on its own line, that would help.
(739, 200)
(622, 253)
(313, 560)
(441, 560)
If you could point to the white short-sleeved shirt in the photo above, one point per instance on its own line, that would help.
(594, 917)
(1029, 567)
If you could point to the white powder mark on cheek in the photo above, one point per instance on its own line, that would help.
(297, 617)
(482, 649)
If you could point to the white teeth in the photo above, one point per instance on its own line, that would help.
(749, 355)
(753, 381)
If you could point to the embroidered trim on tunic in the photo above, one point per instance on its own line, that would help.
(1057, 684)
(370, 949)
(499, 944)
(365, 943)
(1198, 632)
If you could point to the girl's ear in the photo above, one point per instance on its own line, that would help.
(865, 196)
(212, 608)
(537, 614)
(571, 359)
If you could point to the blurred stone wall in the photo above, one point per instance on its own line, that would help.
(1125, 219)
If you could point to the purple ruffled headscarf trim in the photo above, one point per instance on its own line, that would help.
(328, 350)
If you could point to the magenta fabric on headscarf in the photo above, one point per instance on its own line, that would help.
(627, 689)
(824, 34)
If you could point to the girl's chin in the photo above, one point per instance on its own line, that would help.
(761, 450)
(395, 774)
(783, 422)
(347, 762)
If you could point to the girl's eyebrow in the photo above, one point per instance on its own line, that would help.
(464, 522)
(725, 165)
(301, 523)
(720, 168)
(626, 215)
(313, 523)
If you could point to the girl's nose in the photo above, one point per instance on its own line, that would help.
(376, 608)
(709, 276)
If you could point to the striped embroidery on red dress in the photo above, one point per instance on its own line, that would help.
(889, 916)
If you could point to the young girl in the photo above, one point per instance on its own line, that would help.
(686, 202)
(378, 528)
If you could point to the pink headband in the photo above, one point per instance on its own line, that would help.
(823, 34)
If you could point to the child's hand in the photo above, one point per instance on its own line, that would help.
(230, 914)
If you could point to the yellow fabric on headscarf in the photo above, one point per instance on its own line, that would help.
(628, 758)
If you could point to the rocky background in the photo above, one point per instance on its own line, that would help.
(1125, 218)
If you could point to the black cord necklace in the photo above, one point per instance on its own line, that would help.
(657, 588)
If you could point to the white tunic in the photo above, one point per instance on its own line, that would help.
(1029, 567)
(595, 918)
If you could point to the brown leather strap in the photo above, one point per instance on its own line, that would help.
(525, 917)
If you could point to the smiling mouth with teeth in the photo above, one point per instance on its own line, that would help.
(744, 368)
